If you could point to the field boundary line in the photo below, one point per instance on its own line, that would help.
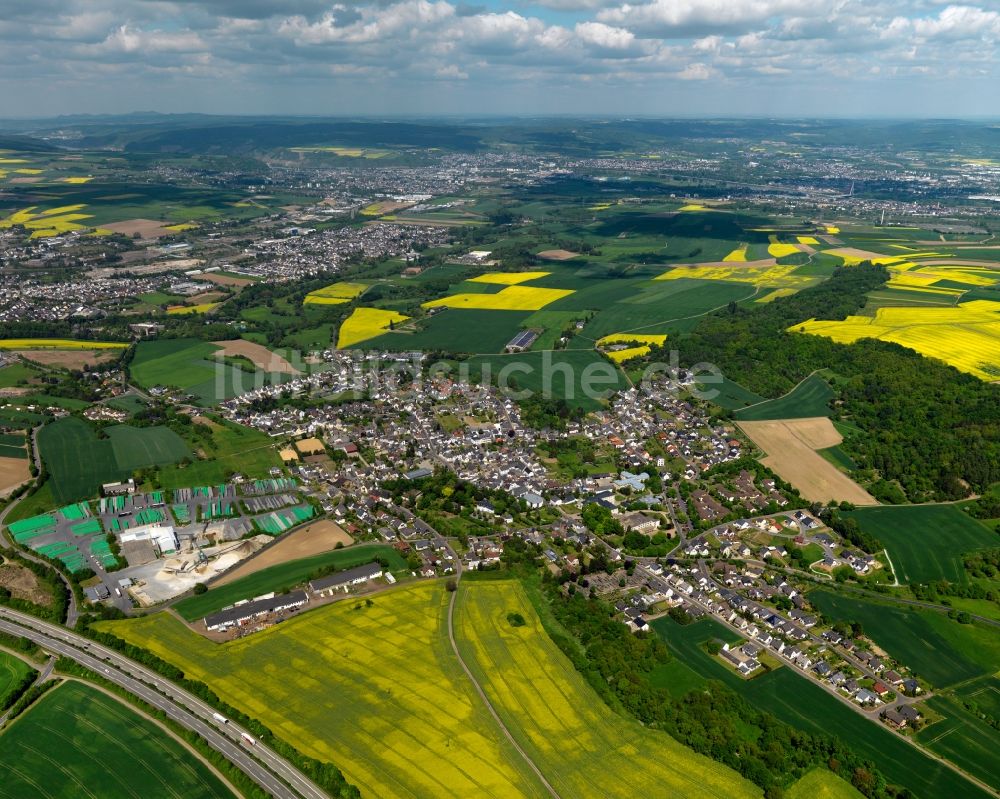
(486, 701)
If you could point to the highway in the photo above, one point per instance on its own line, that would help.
(268, 769)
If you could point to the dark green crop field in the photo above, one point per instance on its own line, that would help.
(937, 648)
(78, 742)
(925, 542)
(802, 704)
(809, 398)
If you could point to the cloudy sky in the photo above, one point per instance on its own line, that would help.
(652, 57)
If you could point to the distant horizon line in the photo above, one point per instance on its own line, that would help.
(485, 116)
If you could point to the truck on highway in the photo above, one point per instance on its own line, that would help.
(248, 739)
(220, 718)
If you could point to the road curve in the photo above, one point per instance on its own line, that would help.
(268, 769)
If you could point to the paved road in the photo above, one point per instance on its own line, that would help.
(268, 769)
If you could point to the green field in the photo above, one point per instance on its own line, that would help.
(136, 447)
(560, 374)
(547, 704)
(456, 330)
(809, 398)
(7, 451)
(77, 741)
(925, 542)
(129, 403)
(79, 462)
(16, 373)
(284, 575)
(964, 739)
(377, 691)
(190, 365)
(13, 670)
(822, 784)
(728, 394)
(803, 704)
(233, 449)
(937, 648)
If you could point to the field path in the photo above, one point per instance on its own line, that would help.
(482, 693)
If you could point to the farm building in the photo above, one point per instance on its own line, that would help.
(254, 609)
(342, 581)
(522, 341)
(117, 489)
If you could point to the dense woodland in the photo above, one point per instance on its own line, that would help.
(929, 428)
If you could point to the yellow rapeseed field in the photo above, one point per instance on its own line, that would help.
(77, 180)
(512, 298)
(779, 276)
(739, 254)
(376, 691)
(966, 336)
(182, 226)
(773, 295)
(51, 222)
(57, 344)
(832, 230)
(366, 323)
(508, 278)
(335, 294)
(810, 240)
(779, 250)
(643, 339)
(204, 307)
(583, 748)
(695, 207)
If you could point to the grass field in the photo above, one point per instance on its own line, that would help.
(964, 739)
(15, 373)
(12, 671)
(809, 398)
(583, 748)
(78, 461)
(802, 704)
(284, 575)
(77, 741)
(376, 691)
(925, 542)
(189, 365)
(138, 447)
(937, 648)
(234, 449)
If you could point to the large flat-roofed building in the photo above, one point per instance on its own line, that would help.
(162, 537)
(342, 581)
(254, 609)
(522, 341)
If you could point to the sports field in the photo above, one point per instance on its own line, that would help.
(76, 741)
(803, 704)
(582, 747)
(925, 542)
(377, 691)
(937, 648)
(13, 671)
(810, 398)
(282, 576)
